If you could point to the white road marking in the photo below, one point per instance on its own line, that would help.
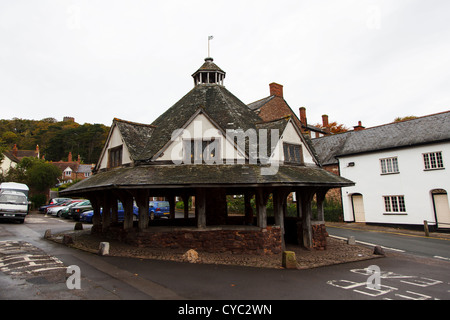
(369, 244)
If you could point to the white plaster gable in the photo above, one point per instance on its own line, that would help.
(291, 135)
(199, 127)
(114, 140)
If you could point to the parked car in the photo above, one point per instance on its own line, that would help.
(56, 210)
(156, 209)
(53, 202)
(87, 215)
(159, 209)
(75, 211)
(13, 205)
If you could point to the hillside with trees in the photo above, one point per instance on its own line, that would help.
(55, 138)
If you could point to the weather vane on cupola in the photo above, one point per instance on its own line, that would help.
(209, 72)
(209, 40)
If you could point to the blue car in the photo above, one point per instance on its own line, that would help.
(159, 209)
(87, 215)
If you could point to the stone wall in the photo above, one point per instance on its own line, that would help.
(248, 240)
(319, 236)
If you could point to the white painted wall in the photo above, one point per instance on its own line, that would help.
(290, 135)
(412, 181)
(115, 140)
(6, 164)
(200, 128)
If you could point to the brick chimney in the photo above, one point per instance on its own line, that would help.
(325, 123)
(14, 151)
(69, 159)
(276, 89)
(303, 116)
(359, 127)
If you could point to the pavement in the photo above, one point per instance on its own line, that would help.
(445, 234)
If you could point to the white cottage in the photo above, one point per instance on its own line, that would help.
(401, 171)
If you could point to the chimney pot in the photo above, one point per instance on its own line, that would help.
(276, 89)
(70, 157)
(15, 150)
(359, 126)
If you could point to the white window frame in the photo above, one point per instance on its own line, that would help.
(394, 204)
(389, 165)
(433, 161)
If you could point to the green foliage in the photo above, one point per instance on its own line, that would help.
(38, 200)
(36, 173)
(55, 139)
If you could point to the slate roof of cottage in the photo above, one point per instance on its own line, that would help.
(136, 136)
(424, 130)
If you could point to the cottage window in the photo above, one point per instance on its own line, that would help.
(389, 165)
(293, 153)
(394, 204)
(115, 157)
(433, 160)
(68, 173)
(201, 151)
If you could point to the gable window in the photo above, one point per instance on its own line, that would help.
(433, 160)
(293, 153)
(115, 157)
(201, 151)
(389, 165)
(68, 172)
(394, 204)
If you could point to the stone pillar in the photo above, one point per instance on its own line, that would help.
(106, 212)
(96, 218)
(186, 206)
(279, 201)
(307, 196)
(114, 210)
(142, 201)
(320, 197)
(261, 202)
(172, 206)
(127, 202)
(248, 208)
(200, 198)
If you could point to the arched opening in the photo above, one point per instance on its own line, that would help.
(441, 208)
(358, 207)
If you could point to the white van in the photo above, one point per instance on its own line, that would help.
(13, 205)
(14, 186)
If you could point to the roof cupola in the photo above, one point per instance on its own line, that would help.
(209, 73)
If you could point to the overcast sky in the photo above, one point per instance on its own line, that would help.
(95, 60)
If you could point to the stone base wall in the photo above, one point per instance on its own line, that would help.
(212, 239)
(319, 236)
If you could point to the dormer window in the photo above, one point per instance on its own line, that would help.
(68, 172)
(115, 157)
(293, 153)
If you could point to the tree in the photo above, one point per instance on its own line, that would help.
(43, 175)
(35, 173)
(334, 127)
